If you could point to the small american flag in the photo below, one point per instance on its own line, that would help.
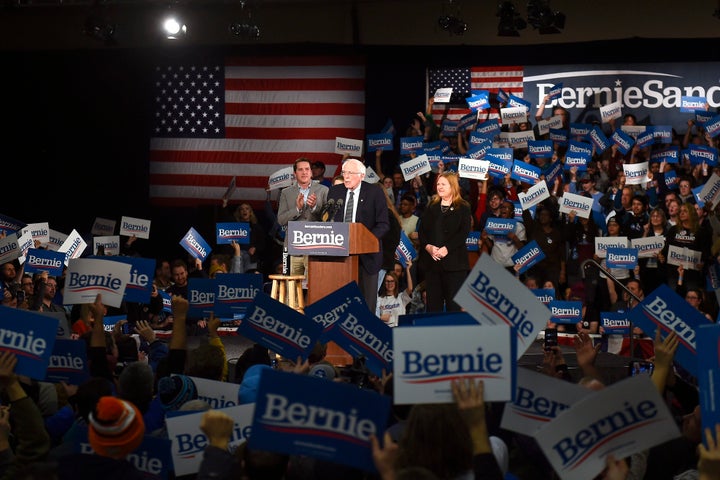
(248, 118)
(463, 80)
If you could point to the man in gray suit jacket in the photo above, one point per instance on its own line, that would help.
(302, 201)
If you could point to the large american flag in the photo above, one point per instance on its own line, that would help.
(465, 79)
(248, 118)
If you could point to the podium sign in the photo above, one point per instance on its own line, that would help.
(319, 238)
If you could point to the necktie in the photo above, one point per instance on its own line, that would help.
(349, 208)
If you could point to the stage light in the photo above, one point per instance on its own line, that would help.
(450, 19)
(245, 26)
(173, 27)
(541, 17)
(100, 29)
(510, 20)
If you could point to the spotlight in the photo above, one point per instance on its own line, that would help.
(245, 26)
(99, 29)
(452, 24)
(173, 27)
(510, 20)
(541, 17)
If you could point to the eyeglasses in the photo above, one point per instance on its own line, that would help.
(345, 172)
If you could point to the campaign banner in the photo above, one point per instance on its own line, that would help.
(281, 178)
(166, 301)
(648, 247)
(708, 376)
(379, 141)
(610, 112)
(580, 204)
(524, 172)
(234, 293)
(688, 258)
(39, 260)
(698, 154)
(109, 321)
(333, 307)
(142, 272)
(603, 243)
(227, 232)
(534, 195)
(539, 398)
(544, 295)
(578, 154)
(436, 319)
(280, 328)
(10, 248)
(73, 246)
(135, 227)
(552, 171)
(626, 258)
(495, 297)
(405, 251)
(500, 226)
(479, 101)
(502, 96)
(472, 242)
(598, 139)
(319, 238)
(10, 225)
(633, 130)
(580, 131)
(516, 101)
(467, 122)
(231, 188)
(702, 116)
(559, 136)
(360, 333)
(188, 441)
(410, 144)
(544, 125)
(25, 243)
(626, 417)
(201, 297)
(498, 167)
(39, 232)
(565, 312)
(86, 278)
(109, 245)
(31, 337)
(152, 458)
(688, 104)
(216, 393)
(528, 256)
(510, 115)
(668, 155)
(475, 169)
(56, 240)
(341, 434)
(348, 146)
(540, 149)
(646, 138)
(615, 323)
(489, 128)
(555, 91)
(195, 244)
(68, 362)
(477, 138)
(623, 141)
(449, 128)
(519, 139)
(414, 167)
(663, 134)
(667, 310)
(371, 176)
(442, 95)
(636, 173)
(710, 193)
(423, 369)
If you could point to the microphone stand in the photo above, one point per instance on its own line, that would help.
(595, 264)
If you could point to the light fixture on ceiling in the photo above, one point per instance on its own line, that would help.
(541, 17)
(510, 22)
(450, 19)
(245, 26)
(173, 25)
(100, 29)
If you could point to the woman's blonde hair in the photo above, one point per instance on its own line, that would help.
(452, 179)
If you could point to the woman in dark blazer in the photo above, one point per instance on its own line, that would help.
(442, 232)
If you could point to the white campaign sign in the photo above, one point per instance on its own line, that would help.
(571, 202)
(603, 243)
(534, 195)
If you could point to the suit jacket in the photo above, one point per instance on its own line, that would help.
(287, 209)
(372, 211)
(448, 229)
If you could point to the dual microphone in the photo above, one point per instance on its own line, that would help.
(331, 207)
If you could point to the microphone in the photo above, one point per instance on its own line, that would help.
(325, 211)
(338, 206)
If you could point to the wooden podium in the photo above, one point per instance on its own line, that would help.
(327, 273)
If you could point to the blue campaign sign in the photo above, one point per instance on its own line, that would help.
(615, 323)
(690, 104)
(528, 256)
(361, 333)
(379, 141)
(545, 295)
(622, 257)
(167, 301)
(708, 374)
(558, 136)
(279, 328)
(235, 292)
(287, 418)
(540, 148)
(436, 319)
(623, 141)
(68, 362)
(410, 144)
(500, 161)
(698, 154)
(142, 271)
(489, 128)
(41, 260)
(472, 242)
(598, 138)
(226, 232)
(331, 308)
(669, 155)
(31, 337)
(579, 131)
(10, 225)
(525, 172)
(195, 244)
(568, 313)
(405, 250)
(500, 226)
(665, 309)
(201, 296)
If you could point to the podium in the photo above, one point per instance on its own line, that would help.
(327, 273)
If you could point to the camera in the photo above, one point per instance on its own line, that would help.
(639, 368)
(551, 338)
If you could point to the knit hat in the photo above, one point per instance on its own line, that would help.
(249, 385)
(176, 390)
(116, 428)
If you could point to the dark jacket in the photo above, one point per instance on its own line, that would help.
(449, 229)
